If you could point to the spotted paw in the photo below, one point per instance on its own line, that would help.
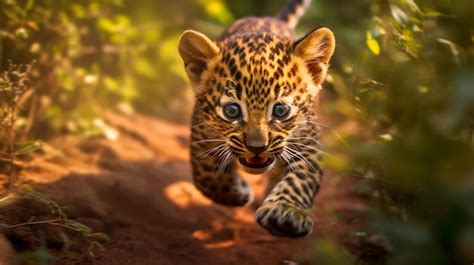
(282, 219)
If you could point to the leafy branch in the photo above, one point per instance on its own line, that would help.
(61, 219)
(14, 91)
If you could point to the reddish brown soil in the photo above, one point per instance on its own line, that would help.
(138, 189)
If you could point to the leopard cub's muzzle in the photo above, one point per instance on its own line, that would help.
(257, 160)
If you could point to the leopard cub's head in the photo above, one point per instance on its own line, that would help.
(255, 91)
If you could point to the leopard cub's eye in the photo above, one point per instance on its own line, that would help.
(232, 111)
(281, 111)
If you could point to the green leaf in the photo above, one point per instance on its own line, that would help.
(37, 257)
(79, 226)
(27, 187)
(452, 47)
(28, 148)
(412, 5)
(103, 237)
(372, 44)
(399, 15)
(218, 11)
(386, 137)
(29, 5)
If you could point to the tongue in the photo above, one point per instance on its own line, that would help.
(256, 160)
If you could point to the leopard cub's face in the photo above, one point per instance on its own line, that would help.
(253, 93)
(258, 121)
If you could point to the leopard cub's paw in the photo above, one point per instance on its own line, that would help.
(282, 219)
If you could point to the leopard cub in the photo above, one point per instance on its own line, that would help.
(255, 88)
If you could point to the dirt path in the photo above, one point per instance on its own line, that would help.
(138, 190)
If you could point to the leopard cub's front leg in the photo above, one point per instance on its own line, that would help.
(287, 210)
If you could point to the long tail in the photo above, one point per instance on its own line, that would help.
(292, 13)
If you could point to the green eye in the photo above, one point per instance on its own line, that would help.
(280, 111)
(232, 111)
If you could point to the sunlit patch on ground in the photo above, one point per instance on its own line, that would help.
(141, 187)
(184, 194)
(206, 236)
(221, 244)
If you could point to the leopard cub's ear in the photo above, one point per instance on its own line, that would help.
(196, 50)
(316, 50)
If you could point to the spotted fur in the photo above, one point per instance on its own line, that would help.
(259, 70)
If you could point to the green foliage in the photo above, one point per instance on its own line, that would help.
(28, 191)
(61, 220)
(400, 95)
(14, 91)
(93, 55)
(28, 148)
(37, 257)
(330, 253)
(407, 95)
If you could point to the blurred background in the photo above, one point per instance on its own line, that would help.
(398, 104)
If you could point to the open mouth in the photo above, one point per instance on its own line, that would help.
(256, 162)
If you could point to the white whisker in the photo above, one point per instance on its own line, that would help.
(214, 150)
(285, 158)
(298, 155)
(293, 158)
(302, 137)
(318, 124)
(310, 147)
(208, 141)
(225, 160)
(305, 138)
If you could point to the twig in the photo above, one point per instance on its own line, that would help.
(53, 222)
(4, 197)
(34, 223)
(16, 163)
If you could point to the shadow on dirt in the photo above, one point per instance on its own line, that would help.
(154, 216)
(148, 207)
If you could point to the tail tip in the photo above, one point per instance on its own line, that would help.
(292, 13)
